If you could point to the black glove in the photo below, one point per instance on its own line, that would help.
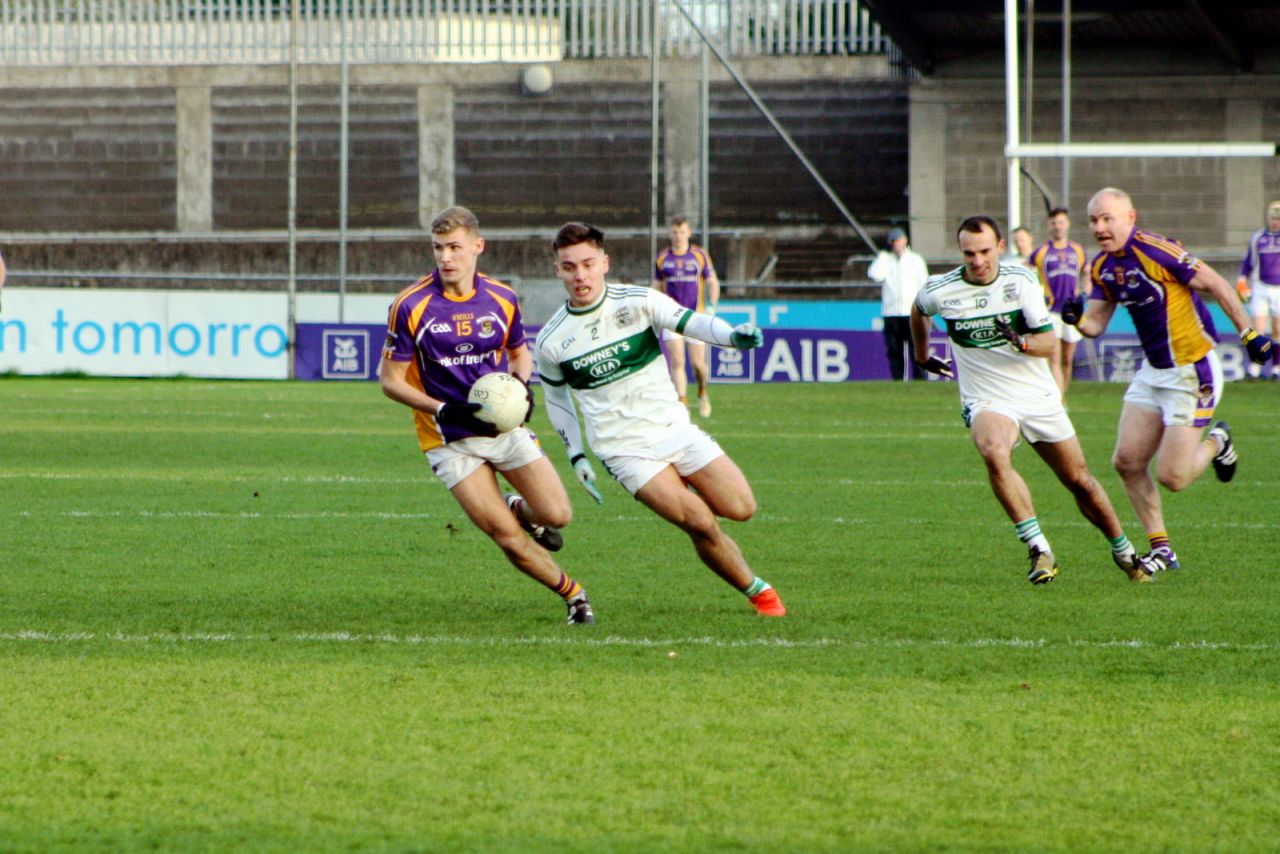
(464, 415)
(1072, 310)
(1260, 347)
(934, 365)
(528, 395)
(1005, 331)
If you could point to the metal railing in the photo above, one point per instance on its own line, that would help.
(205, 32)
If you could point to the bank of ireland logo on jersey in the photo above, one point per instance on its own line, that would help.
(346, 354)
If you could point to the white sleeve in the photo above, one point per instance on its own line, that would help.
(663, 311)
(558, 400)
(564, 417)
(925, 301)
(876, 271)
(1035, 312)
(705, 327)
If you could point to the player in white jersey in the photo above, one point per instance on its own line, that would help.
(1002, 337)
(602, 350)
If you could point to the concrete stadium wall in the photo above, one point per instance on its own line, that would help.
(957, 166)
(198, 151)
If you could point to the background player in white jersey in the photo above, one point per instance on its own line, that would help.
(602, 350)
(1002, 338)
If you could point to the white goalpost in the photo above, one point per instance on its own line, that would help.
(1015, 149)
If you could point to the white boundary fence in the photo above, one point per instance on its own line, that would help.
(202, 32)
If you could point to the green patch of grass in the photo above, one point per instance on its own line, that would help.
(245, 616)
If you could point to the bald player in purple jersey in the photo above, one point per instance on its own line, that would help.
(1060, 263)
(1173, 395)
(1259, 282)
(685, 273)
(445, 331)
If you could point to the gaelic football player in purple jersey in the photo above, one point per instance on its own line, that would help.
(1259, 282)
(684, 272)
(1060, 263)
(1173, 395)
(445, 331)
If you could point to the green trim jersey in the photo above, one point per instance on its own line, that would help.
(610, 356)
(989, 368)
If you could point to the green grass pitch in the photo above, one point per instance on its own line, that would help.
(244, 616)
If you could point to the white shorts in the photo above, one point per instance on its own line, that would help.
(1186, 395)
(689, 451)
(1048, 425)
(1067, 333)
(454, 462)
(1265, 301)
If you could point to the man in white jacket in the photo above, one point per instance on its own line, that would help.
(900, 272)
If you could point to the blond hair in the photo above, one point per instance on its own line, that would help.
(453, 218)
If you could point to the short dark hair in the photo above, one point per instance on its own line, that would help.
(975, 225)
(573, 233)
(1057, 211)
(679, 220)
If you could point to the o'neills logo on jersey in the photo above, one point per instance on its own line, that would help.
(601, 357)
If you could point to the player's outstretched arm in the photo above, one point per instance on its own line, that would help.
(1260, 347)
(713, 330)
(564, 417)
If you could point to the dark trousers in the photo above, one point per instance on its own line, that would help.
(897, 335)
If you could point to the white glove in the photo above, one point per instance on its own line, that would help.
(587, 477)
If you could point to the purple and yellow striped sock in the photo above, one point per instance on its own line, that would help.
(567, 587)
(1159, 540)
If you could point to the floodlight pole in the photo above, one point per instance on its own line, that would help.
(704, 151)
(1065, 199)
(293, 190)
(344, 147)
(654, 95)
(1013, 164)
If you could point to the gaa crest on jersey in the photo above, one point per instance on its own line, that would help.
(624, 316)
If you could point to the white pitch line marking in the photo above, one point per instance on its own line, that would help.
(36, 636)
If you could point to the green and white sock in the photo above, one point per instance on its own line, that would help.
(1028, 531)
(1120, 545)
(757, 586)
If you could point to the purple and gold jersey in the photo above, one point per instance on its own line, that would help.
(1262, 258)
(1059, 270)
(1149, 277)
(685, 275)
(452, 342)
